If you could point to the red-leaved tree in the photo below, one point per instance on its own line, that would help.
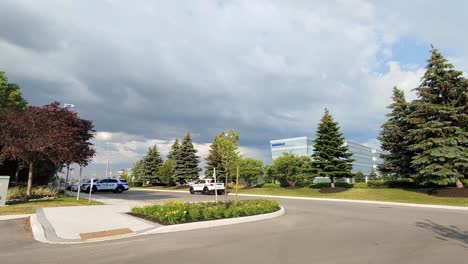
(47, 132)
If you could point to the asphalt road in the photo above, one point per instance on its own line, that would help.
(310, 232)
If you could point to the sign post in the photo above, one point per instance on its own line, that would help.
(4, 180)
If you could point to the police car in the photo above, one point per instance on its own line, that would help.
(114, 185)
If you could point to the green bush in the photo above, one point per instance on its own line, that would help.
(360, 185)
(175, 212)
(19, 193)
(271, 185)
(328, 185)
(400, 183)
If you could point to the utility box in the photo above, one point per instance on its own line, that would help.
(4, 180)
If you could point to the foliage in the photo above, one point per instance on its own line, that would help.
(46, 133)
(137, 170)
(373, 175)
(10, 96)
(393, 137)
(439, 118)
(359, 177)
(214, 160)
(292, 170)
(228, 145)
(175, 212)
(19, 193)
(360, 185)
(166, 172)
(270, 185)
(397, 183)
(327, 185)
(174, 150)
(331, 156)
(151, 162)
(250, 170)
(186, 161)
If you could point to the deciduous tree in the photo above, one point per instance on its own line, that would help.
(250, 170)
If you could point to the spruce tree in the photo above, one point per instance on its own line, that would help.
(214, 160)
(397, 160)
(331, 156)
(439, 136)
(186, 161)
(151, 162)
(174, 149)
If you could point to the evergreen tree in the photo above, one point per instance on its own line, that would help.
(331, 156)
(359, 177)
(397, 160)
(174, 149)
(372, 175)
(214, 160)
(186, 162)
(151, 162)
(439, 136)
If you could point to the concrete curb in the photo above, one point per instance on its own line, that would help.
(11, 217)
(431, 206)
(42, 233)
(214, 223)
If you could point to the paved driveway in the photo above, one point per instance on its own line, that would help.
(310, 232)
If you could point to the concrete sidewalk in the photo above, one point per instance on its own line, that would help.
(77, 223)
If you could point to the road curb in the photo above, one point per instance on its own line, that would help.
(430, 206)
(11, 217)
(41, 234)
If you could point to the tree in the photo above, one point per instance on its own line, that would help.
(292, 170)
(250, 170)
(331, 156)
(439, 136)
(227, 146)
(10, 96)
(174, 149)
(359, 177)
(214, 160)
(373, 175)
(46, 133)
(186, 162)
(137, 170)
(151, 162)
(166, 172)
(394, 139)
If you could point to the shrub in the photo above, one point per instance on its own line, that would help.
(320, 185)
(175, 212)
(344, 185)
(19, 193)
(400, 183)
(360, 185)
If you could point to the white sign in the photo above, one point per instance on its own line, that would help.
(4, 180)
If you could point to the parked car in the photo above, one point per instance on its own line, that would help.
(114, 185)
(207, 186)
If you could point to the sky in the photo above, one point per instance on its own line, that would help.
(146, 72)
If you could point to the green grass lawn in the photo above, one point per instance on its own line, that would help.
(30, 207)
(386, 195)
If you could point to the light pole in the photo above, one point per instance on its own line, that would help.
(107, 163)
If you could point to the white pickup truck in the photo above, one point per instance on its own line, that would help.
(207, 186)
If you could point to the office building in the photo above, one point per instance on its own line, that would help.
(365, 158)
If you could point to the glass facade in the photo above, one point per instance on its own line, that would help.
(365, 158)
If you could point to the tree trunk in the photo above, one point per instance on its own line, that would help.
(30, 178)
(17, 172)
(332, 182)
(459, 183)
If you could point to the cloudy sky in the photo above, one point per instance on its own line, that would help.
(148, 71)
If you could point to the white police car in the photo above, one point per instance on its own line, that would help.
(114, 185)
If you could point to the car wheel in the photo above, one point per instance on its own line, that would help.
(206, 191)
(118, 190)
(191, 190)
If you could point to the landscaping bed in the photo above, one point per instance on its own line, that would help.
(450, 192)
(177, 212)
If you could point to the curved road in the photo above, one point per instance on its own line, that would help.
(310, 232)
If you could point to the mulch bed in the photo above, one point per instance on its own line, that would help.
(333, 190)
(449, 192)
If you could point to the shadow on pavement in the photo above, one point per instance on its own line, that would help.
(443, 232)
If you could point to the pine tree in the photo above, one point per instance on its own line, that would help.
(372, 175)
(151, 162)
(439, 136)
(214, 160)
(331, 156)
(186, 161)
(174, 149)
(397, 160)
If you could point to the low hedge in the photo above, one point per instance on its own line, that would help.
(328, 185)
(176, 212)
(401, 183)
(19, 193)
